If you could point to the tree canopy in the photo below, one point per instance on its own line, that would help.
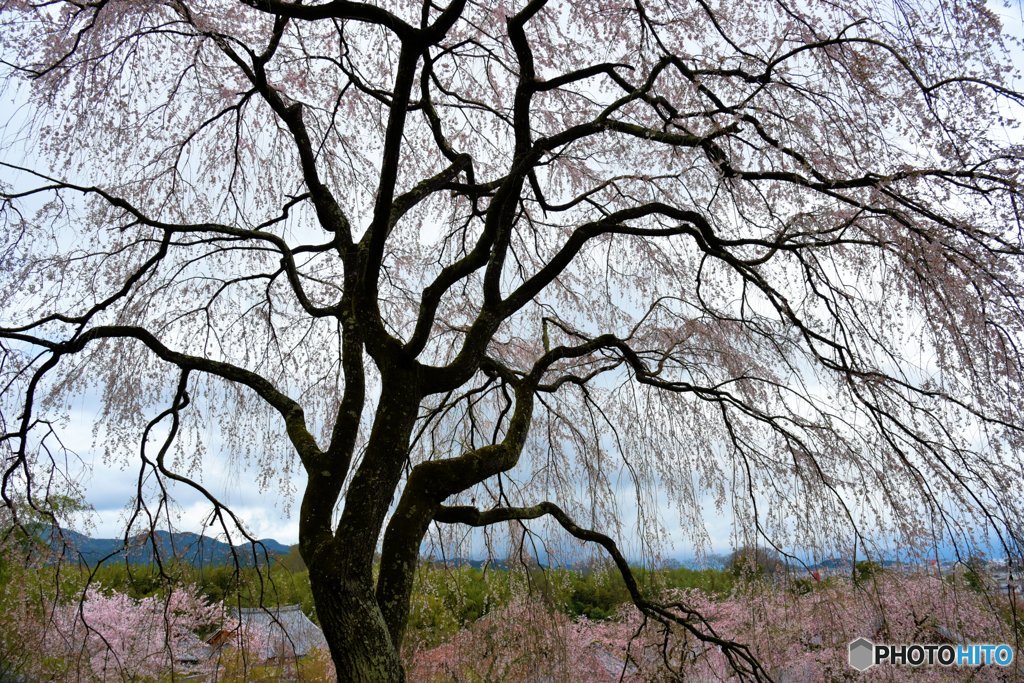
(479, 263)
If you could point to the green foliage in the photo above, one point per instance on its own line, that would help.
(974, 573)
(244, 587)
(12, 658)
(865, 571)
(597, 594)
(714, 582)
(293, 561)
(28, 589)
(316, 667)
(446, 599)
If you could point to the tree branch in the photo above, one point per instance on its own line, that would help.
(742, 660)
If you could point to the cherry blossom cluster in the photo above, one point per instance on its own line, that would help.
(797, 637)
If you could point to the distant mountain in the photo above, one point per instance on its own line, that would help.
(189, 547)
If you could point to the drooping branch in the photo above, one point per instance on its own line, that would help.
(742, 660)
(221, 512)
(170, 230)
(292, 412)
(331, 216)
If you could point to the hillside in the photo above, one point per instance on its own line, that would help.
(194, 549)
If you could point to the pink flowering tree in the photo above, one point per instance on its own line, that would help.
(525, 265)
(522, 640)
(797, 637)
(115, 637)
(806, 637)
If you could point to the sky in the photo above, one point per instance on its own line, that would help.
(269, 514)
(109, 486)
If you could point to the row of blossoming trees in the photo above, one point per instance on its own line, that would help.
(113, 637)
(797, 635)
(106, 635)
(798, 630)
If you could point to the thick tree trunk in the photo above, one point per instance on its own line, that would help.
(354, 627)
(341, 563)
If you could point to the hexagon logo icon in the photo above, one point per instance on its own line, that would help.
(862, 654)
